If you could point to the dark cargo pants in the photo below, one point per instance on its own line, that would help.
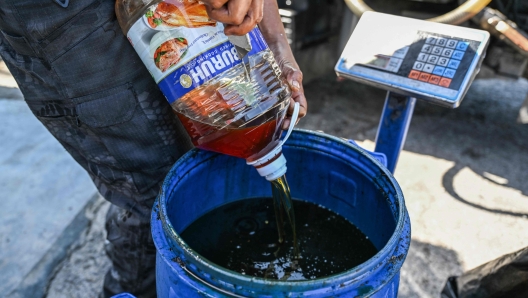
(84, 82)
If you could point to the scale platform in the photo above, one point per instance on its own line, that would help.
(430, 61)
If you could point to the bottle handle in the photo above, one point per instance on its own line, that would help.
(273, 165)
(295, 116)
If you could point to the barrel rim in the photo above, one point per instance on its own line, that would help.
(351, 274)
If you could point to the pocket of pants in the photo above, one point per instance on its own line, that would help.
(107, 108)
(115, 119)
(19, 44)
(102, 60)
(46, 21)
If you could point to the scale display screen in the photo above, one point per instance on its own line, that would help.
(426, 60)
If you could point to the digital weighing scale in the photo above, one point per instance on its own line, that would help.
(411, 59)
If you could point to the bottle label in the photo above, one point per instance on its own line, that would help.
(182, 48)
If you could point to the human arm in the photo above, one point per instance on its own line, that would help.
(241, 16)
(273, 31)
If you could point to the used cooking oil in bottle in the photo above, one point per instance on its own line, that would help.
(242, 236)
(247, 116)
(202, 76)
(228, 104)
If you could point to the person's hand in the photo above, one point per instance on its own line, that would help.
(294, 77)
(273, 32)
(238, 16)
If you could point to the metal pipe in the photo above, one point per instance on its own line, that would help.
(455, 17)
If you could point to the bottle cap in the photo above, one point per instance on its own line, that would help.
(273, 165)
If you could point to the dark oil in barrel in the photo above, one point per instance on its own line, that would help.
(242, 236)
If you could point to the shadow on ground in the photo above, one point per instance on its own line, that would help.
(482, 134)
(425, 270)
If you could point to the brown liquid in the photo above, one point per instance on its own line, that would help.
(282, 203)
(238, 142)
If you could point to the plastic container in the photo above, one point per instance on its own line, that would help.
(124, 295)
(227, 103)
(324, 170)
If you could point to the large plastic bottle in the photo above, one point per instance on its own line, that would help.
(224, 107)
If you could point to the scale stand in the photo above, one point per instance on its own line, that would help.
(411, 59)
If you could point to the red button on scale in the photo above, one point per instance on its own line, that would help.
(424, 77)
(414, 74)
(435, 80)
(445, 82)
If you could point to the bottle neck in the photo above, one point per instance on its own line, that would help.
(272, 165)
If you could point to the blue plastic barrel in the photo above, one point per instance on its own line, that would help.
(321, 169)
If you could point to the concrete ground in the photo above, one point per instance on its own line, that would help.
(463, 173)
(43, 193)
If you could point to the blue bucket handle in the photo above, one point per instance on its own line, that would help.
(124, 295)
(381, 157)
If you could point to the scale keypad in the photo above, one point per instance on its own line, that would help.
(432, 58)
(440, 60)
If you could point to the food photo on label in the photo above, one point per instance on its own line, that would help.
(170, 52)
(169, 14)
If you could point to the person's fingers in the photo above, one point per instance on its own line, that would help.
(291, 108)
(301, 99)
(286, 123)
(233, 13)
(297, 96)
(294, 78)
(216, 4)
(256, 10)
(252, 18)
(241, 29)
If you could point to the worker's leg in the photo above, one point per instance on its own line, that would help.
(132, 252)
(84, 82)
